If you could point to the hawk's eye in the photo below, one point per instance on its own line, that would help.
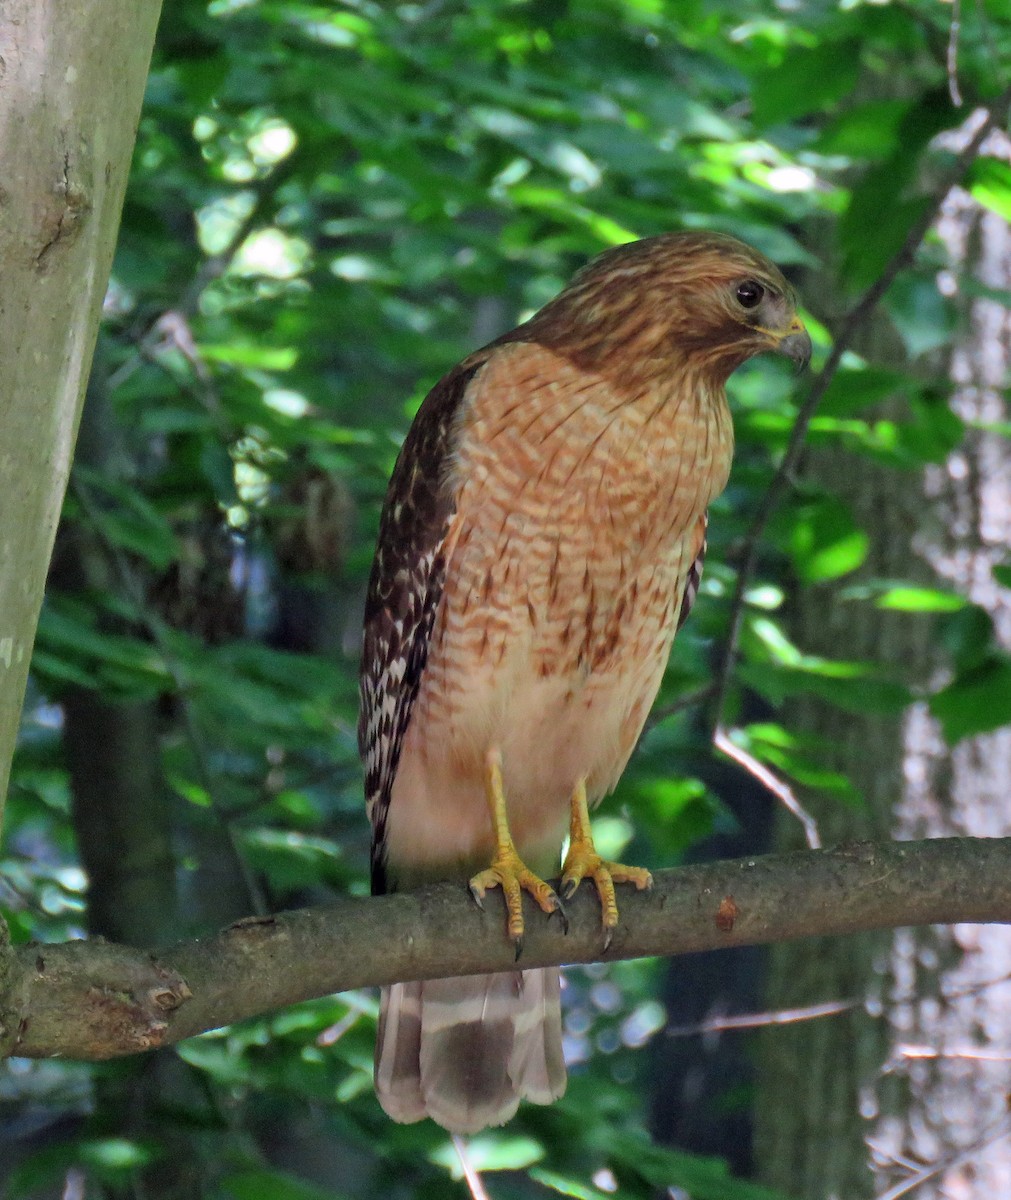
(750, 293)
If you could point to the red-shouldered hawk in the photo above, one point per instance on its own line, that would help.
(541, 541)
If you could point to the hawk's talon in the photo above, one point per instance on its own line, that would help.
(583, 862)
(514, 877)
(508, 871)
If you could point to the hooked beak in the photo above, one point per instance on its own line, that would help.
(795, 343)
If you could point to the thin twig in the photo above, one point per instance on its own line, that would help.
(851, 324)
(994, 1134)
(759, 1020)
(905, 1051)
(470, 1172)
(771, 782)
(973, 989)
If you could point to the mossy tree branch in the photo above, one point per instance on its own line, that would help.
(95, 1000)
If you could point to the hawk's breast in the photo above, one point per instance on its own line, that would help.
(579, 514)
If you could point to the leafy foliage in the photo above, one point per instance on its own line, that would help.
(330, 206)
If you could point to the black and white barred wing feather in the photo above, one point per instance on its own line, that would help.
(403, 596)
(462, 1051)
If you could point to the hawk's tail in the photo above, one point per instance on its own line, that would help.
(466, 1051)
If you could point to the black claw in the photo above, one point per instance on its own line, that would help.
(563, 916)
(569, 888)
(518, 943)
(476, 897)
(608, 935)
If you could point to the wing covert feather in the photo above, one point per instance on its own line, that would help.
(404, 592)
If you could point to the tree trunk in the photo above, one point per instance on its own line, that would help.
(812, 1075)
(949, 1026)
(72, 81)
(916, 1072)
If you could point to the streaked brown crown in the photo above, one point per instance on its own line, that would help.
(662, 302)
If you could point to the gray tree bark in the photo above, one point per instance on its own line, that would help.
(916, 1070)
(810, 1134)
(948, 1025)
(72, 76)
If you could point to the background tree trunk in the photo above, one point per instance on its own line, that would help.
(901, 1071)
(810, 1128)
(813, 1076)
(70, 96)
(949, 1027)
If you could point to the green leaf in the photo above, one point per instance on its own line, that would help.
(989, 183)
(968, 635)
(924, 317)
(566, 1186)
(978, 700)
(267, 358)
(852, 687)
(67, 632)
(920, 599)
(133, 523)
(856, 388)
(801, 759)
(274, 1185)
(904, 597)
(292, 860)
(808, 79)
(114, 1155)
(491, 1152)
(702, 1178)
(934, 430)
(219, 471)
(866, 131)
(825, 541)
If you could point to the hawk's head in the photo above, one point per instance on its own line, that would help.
(702, 302)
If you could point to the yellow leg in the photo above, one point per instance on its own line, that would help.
(507, 869)
(583, 860)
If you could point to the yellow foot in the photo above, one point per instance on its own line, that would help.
(583, 861)
(508, 871)
(514, 877)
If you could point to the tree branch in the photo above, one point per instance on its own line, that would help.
(97, 1000)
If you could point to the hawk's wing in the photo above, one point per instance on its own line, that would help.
(404, 591)
(694, 571)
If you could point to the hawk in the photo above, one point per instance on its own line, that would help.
(541, 543)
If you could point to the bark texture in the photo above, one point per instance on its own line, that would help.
(814, 1075)
(94, 999)
(817, 1078)
(916, 1071)
(950, 1012)
(71, 86)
